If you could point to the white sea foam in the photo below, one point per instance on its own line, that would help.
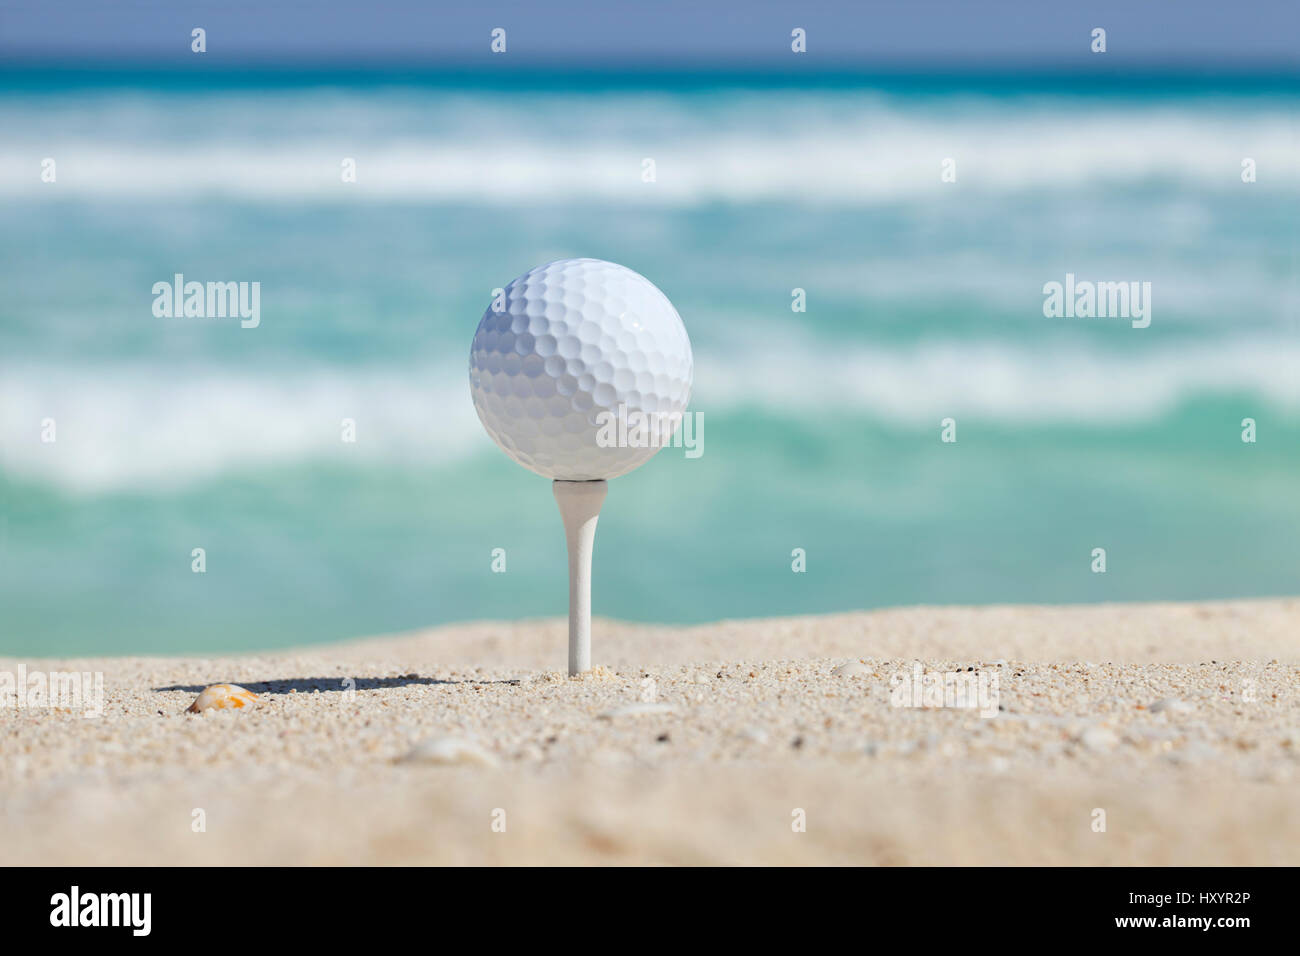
(127, 425)
(842, 148)
(123, 427)
(996, 382)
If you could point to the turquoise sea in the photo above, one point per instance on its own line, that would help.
(821, 428)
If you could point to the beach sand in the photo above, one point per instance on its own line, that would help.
(698, 745)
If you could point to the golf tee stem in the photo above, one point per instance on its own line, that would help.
(579, 503)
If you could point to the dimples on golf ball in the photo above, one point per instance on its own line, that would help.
(571, 340)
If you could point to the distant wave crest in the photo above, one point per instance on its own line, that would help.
(852, 149)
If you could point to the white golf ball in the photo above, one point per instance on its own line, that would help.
(571, 350)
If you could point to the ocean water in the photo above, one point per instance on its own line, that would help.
(821, 429)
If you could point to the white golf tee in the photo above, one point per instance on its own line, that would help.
(580, 503)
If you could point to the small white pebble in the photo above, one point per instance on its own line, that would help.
(851, 669)
(445, 751)
(1173, 705)
(1099, 739)
(636, 710)
(1192, 753)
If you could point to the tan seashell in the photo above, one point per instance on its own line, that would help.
(222, 697)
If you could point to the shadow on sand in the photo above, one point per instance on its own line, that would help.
(305, 685)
